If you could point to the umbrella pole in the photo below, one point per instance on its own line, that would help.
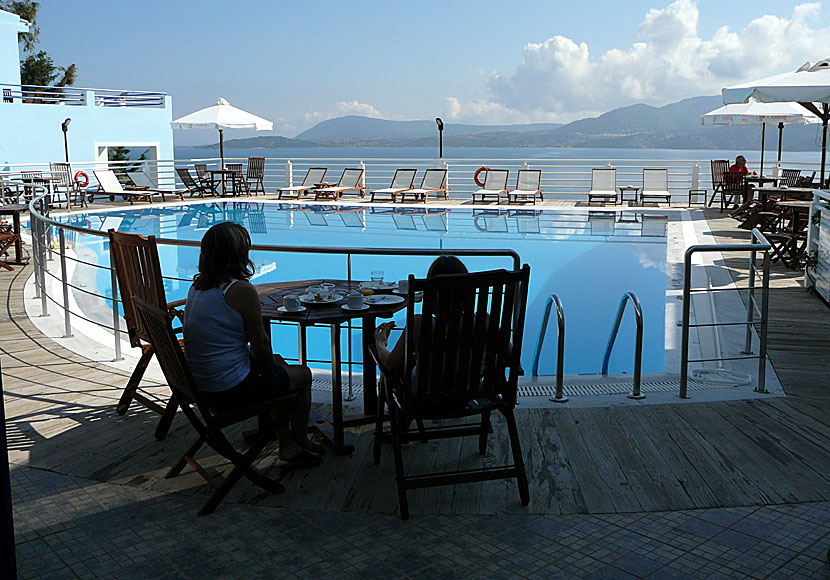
(822, 183)
(222, 156)
(780, 135)
(763, 135)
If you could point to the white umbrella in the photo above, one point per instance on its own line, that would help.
(222, 116)
(756, 113)
(809, 86)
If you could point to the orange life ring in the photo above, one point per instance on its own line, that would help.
(479, 172)
(81, 178)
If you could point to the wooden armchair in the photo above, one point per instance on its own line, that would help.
(207, 422)
(464, 362)
(255, 176)
(136, 262)
(66, 185)
(7, 240)
(190, 184)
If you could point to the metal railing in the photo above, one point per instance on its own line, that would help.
(42, 227)
(638, 346)
(553, 299)
(79, 96)
(758, 243)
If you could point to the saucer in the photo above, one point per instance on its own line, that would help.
(346, 307)
(283, 309)
(309, 299)
(385, 299)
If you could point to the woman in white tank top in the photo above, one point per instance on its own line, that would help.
(228, 350)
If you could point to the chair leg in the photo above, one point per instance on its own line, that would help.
(135, 379)
(177, 468)
(518, 458)
(485, 431)
(379, 422)
(167, 418)
(394, 421)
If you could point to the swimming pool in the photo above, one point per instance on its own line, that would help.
(590, 258)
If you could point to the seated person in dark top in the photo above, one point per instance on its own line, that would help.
(228, 350)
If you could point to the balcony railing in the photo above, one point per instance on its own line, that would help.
(75, 96)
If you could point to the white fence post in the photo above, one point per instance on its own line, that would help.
(289, 173)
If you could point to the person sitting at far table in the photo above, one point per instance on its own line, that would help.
(222, 318)
(740, 167)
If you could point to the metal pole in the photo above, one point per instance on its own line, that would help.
(750, 301)
(638, 351)
(44, 308)
(35, 254)
(67, 328)
(763, 135)
(762, 348)
(684, 345)
(116, 320)
(780, 140)
(8, 564)
(350, 394)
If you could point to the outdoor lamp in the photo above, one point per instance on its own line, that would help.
(440, 124)
(65, 128)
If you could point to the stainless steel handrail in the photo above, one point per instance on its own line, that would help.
(758, 243)
(638, 347)
(559, 397)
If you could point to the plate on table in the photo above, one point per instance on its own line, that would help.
(418, 294)
(310, 299)
(383, 300)
(283, 309)
(379, 286)
(347, 307)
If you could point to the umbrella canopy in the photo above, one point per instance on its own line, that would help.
(754, 112)
(222, 116)
(809, 86)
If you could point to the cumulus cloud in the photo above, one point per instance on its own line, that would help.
(560, 80)
(356, 108)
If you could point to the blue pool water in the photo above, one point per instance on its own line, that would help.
(589, 258)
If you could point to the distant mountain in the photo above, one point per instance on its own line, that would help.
(672, 126)
(267, 142)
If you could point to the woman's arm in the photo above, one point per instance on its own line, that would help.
(394, 359)
(243, 298)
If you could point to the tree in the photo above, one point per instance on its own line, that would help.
(122, 154)
(28, 12)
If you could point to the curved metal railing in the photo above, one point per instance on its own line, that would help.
(552, 300)
(638, 348)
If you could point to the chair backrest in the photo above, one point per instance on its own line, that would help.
(604, 179)
(655, 180)
(234, 167)
(529, 179)
(314, 175)
(63, 172)
(136, 262)
(201, 171)
(140, 179)
(31, 174)
(434, 179)
(790, 177)
(496, 179)
(256, 167)
(108, 181)
(734, 181)
(187, 179)
(350, 178)
(807, 180)
(720, 167)
(168, 352)
(404, 178)
(470, 341)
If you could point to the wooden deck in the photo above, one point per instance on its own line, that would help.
(61, 416)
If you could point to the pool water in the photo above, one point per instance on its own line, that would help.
(589, 258)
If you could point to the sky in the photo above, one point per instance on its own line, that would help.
(484, 61)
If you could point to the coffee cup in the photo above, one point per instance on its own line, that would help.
(355, 300)
(291, 303)
(403, 286)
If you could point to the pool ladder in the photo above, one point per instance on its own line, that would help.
(554, 299)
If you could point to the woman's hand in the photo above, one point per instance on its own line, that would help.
(382, 333)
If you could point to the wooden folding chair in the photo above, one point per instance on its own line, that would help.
(464, 362)
(190, 184)
(7, 240)
(136, 262)
(255, 176)
(208, 422)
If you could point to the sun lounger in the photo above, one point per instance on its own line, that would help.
(655, 185)
(434, 181)
(313, 176)
(603, 185)
(528, 187)
(141, 181)
(349, 181)
(108, 184)
(401, 182)
(495, 184)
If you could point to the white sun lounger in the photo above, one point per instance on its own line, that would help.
(349, 181)
(603, 185)
(108, 184)
(655, 185)
(313, 176)
(528, 187)
(434, 181)
(402, 181)
(495, 184)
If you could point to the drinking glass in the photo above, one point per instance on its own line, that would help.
(376, 276)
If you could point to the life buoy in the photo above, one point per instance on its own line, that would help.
(81, 178)
(479, 172)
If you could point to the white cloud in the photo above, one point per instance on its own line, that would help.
(559, 80)
(356, 108)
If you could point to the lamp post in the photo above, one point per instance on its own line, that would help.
(440, 124)
(65, 129)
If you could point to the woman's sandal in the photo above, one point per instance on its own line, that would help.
(318, 448)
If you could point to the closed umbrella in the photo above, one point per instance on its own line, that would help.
(222, 116)
(757, 113)
(809, 86)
